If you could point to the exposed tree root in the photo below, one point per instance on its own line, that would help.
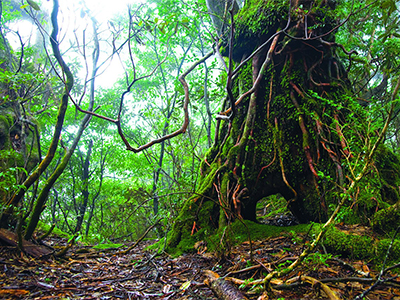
(316, 283)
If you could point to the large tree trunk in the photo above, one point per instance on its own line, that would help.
(285, 137)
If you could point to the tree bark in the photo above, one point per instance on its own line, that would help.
(85, 189)
(283, 136)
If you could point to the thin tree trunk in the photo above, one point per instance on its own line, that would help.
(40, 202)
(85, 190)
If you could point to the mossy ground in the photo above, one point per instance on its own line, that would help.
(226, 237)
(368, 247)
(386, 221)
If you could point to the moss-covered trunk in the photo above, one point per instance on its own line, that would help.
(286, 136)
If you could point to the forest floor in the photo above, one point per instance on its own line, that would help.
(87, 273)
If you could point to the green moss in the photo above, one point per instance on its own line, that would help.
(239, 231)
(258, 231)
(180, 239)
(107, 246)
(207, 180)
(387, 220)
(338, 242)
(55, 232)
(5, 125)
(233, 152)
(186, 242)
(359, 246)
(256, 19)
(257, 14)
(381, 250)
(234, 234)
(388, 165)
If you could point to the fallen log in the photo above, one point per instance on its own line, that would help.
(222, 288)
(10, 238)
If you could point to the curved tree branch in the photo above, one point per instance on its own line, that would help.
(69, 82)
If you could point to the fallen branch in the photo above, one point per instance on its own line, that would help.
(222, 288)
(331, 295)
(10, 238)
(362, 280)
(342, 262)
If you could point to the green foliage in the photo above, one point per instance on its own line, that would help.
(9, 14)
(317, 260)
(11, 172)
(43, 226)
(9, 179)
(272, 206)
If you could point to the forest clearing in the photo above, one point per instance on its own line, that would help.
(216, 149)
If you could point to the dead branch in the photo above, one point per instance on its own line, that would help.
(331, 295)
(222, 288)
(10, 238)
